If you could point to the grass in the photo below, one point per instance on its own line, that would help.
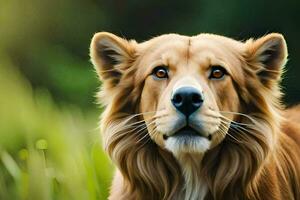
(46, 151)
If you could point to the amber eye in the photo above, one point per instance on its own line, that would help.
(217, 72)
(160, 72)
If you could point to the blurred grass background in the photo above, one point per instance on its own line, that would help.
(49, 142)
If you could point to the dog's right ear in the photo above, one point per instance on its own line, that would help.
(111, 55)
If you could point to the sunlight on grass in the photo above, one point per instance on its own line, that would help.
(47, 152)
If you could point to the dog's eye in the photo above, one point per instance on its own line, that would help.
(160, 72)
(217, 72)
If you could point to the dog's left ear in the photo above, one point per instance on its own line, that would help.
(267, 56)
(111, 55)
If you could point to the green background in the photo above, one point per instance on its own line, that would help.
(49, 141)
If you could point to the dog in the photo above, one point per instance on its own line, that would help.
(197, 117)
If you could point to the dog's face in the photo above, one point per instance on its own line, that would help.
(187, 82)
(188, 88)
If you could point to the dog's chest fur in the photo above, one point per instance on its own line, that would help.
(195, 186)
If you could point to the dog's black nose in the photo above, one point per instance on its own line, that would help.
(187, 100)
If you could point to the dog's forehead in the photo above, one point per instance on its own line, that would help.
(163, 46)
(179, 43)
(175, 50)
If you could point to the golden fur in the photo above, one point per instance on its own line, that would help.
(254, 150)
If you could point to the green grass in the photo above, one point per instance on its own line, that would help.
(46, 151)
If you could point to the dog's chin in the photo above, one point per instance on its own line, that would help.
(187, 140)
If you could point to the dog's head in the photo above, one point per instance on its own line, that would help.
(175, 101)
(186, 89)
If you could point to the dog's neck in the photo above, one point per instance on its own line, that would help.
(195, 187)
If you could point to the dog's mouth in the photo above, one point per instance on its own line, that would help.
(185, 132)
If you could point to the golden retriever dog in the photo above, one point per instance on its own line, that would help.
(197, 118)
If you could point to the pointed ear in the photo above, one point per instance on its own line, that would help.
(267, 55)
(111, 55)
